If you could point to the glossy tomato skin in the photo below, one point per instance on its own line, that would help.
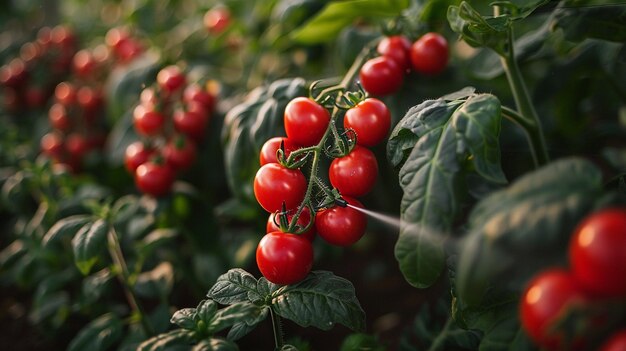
(341, 226)
(429, 54)
(370, 119)
(275, 184)
(597, 253)
(269, 148)
(396, 47)
(195, 92)
(52, 145)
(284, 258)
(547, 297)
(137, 154)
(305, 121)
(154, 179)
(193, 121)
(147, 120)
(180, 153)
(303, 221)
(216, 20)
(170, 79)
(58, 117)
(354, 174)
(381, 76)
(617, 342)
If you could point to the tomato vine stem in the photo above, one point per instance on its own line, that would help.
(115, 250)
(530, 121)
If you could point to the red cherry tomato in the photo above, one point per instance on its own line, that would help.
(180, 153)
(269, 149)
(305, 121)
(90, 100)
(381, 76)
(195, 92)
(52, 145)
(598, 253)
(65, 93)
(193, 121)
(216, 20)
(148, 98)
(617, 342)
(57, 115)
(545, 299)
(84, 63)
(354, 174)
(303, 221)
(341, 226)
(154, 179)
(170, 79)
(77, 146)
(396, 47)
(137, 154)
(275, 184)
(147, 120)
(284, 258)
(370, 120)
(429, 54)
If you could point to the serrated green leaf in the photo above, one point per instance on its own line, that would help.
(185, 318)
(206, 311)
(532, 217)
(236, 313)
(336, 15)
(66, 227)
(88, 243)
(439, 136)
(320, 300)
(179, 339)
(100, 334)
(233, 286)
(241, 329)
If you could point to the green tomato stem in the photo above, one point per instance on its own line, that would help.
(115, 250)
(278, 330)
(530, 121)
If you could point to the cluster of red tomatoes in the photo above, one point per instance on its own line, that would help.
(28, 80)
(286, 258)
(596, 281)
(76, 115)
(171, 117)
(384, 75)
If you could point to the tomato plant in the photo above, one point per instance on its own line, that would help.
(166, 167)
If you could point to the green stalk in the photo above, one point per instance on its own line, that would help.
(278, 330)
(532, 125)
(115, 250)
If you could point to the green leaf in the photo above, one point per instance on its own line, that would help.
(88, 243)
(442, 138)
(156, 283)
(531, 218)
(288, 347)
(179, 339)
(241, 329)
(233, 286)
(337, 15)
(248, 125)
(215, 344)
(580, 22)
(205, 311)
(320, 300)
(245, 312)
(155, 239)
(100, 334)
(125, 207)
(66, 227)
(185, 318)
(96, 285)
